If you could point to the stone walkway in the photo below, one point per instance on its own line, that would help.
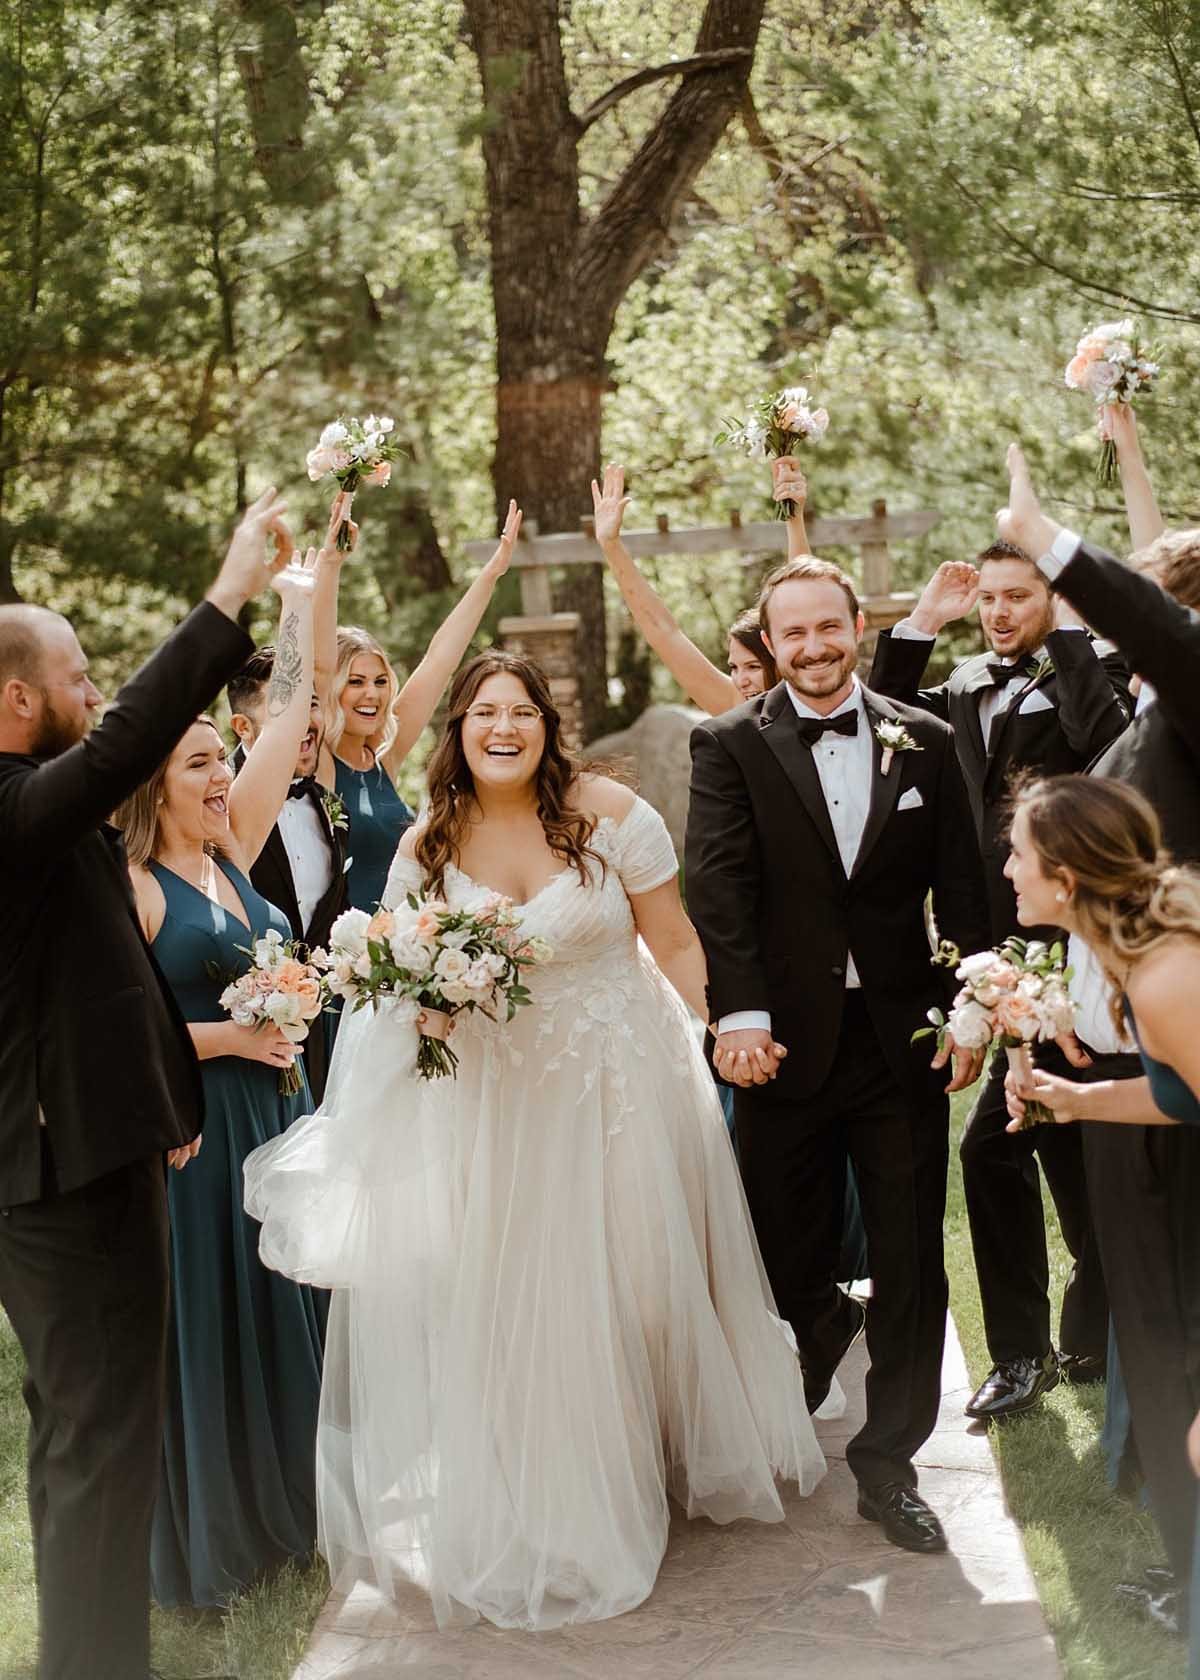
(820, 1596)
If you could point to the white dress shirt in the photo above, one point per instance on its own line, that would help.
(993, 701)
(309, 856)
(1091, 992)
(845, 766)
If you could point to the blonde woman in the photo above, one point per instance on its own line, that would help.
(373, 722)
(237, 1494)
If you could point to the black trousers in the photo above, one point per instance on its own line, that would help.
(1144, 1185)
(1008, 1226)
(793, 1161)
(83, 1278)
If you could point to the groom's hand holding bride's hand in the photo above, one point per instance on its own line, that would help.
(967, 1065)
(749, 1056)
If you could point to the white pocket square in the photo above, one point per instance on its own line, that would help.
(1038, 701)
(910, 800)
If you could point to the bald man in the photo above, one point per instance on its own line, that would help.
(99, 1085)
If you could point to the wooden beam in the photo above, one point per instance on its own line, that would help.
(576, 548)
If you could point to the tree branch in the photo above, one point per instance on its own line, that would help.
(658, 73)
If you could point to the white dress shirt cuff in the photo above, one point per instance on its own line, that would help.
(1062, 551)
(745, 1020)
(908, 632)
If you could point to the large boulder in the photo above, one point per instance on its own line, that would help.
(655, 750)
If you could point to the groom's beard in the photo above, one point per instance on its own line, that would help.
(818, 679)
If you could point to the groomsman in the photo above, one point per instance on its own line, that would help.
(98, 1084)
(1045, 699)
(821, 817)
(302, 866)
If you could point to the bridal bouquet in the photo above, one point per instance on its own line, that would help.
(1109, 365)
(774, 426)
(1014, 996)
(279, 991)
(354, 452)
(425, 963)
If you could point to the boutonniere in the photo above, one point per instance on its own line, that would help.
(1043, 668)
(893, 737)
(335, 809)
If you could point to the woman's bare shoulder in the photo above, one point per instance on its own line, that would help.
(602, 796)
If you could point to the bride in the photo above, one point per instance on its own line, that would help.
(551, 1311)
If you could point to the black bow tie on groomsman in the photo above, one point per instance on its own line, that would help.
(302, 787)
(812, 729)
(1001, 674)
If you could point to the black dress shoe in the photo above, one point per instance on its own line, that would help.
(1082, 1367)
(907, 1520)
(1013, 1387)
(818, 1383)
(1160, 1605)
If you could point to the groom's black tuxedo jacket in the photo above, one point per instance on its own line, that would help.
(90, 1035)
(1054, 725)
(775, 910)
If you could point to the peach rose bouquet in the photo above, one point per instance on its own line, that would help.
(354, 452)
(424, 963)
(774, 426)
(278, 990)
(1110, 366)
(1014, 996)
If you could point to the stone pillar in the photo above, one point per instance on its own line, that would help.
(550, 642)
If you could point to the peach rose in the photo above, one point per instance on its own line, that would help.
(382, 924)
(426, 925)
(379, 475)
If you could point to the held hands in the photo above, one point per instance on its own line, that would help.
(951, 593)
(747, 1057)
(179, 1158)
(1022, 522)
(788, 483)
(248, 568)
(502, 558)
(967, 1064)
(609, 504)
(263, 1044)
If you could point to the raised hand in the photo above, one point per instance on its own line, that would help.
(788, 483)
(1022, 523)
(609, 504)
(502, 558)
(298, 578)
(248, 568)
(951, 593)
(339, 516)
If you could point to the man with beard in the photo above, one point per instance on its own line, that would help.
(1045, 700)
(821, 818)
(302, 866)
(98, 1082)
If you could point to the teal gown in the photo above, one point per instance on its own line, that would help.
(237, 1496)
(377, 817)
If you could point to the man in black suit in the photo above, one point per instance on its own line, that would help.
(1144, 1181)
(98, 1082)
(302, 866)
(1046, 699)
(812, 845)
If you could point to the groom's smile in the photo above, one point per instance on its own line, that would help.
(814, 636)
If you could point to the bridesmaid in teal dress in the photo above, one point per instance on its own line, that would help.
(372, 723)
(237, 1496)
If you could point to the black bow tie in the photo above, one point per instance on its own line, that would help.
(302, 787)
(812, 729)
(1002, 674)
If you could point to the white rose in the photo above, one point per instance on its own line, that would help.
(970, 1026)
(495, 964)
(348, 934)
(385, 423)
(455, 939)
(411, 953)
(456, 991)
(973, 969)
(362, 966)
(450, 964)
(333, 434)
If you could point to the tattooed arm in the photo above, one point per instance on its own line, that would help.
(258, 792)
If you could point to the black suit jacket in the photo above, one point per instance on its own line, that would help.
(271, 875)
(1159, 754)
(776, 912)
(90, 1035)
(1089, 706)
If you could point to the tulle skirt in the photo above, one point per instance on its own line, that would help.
(551, 1311)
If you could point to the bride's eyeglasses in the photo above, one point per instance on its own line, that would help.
(523, 716)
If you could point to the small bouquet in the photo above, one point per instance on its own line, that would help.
(773, 426)
(426, 962)
(1108, 363)
(354, 452)
(280, 991)
(1014, 996)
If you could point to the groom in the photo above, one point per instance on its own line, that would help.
(812, 846)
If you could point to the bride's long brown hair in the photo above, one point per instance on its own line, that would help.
(452, 787)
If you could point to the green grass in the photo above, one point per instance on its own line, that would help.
(1080, 1537)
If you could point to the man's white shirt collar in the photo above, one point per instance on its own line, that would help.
(852, 703)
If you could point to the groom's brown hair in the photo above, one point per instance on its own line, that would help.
(807, 569)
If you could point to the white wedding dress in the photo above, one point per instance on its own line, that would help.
(551, 1309)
